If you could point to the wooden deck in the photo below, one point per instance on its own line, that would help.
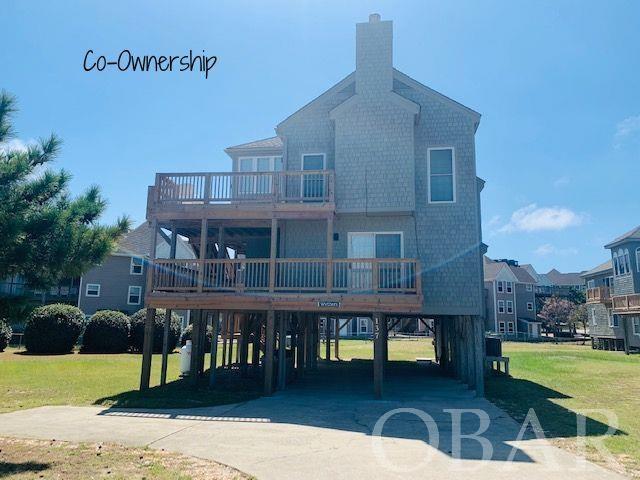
(626, 304)
(599, 295)
(344, 285)
(242, 195)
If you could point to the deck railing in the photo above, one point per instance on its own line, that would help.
(301, 275)
(231, 187)
(598, 294)
(627, 303)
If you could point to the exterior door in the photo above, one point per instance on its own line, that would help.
(379, 246)
(313, 183)
(361, 246)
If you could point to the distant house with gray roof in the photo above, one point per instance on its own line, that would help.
(510, 300)
(119, 283)
(613, 296)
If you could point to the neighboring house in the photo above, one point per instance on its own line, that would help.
(365, 204)
(119, 283)
(511, 302)
(613, 296)
(555, 283)
(64, 292)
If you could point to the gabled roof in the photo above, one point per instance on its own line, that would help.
(564, 279)
(522, 275)
(138, 243)
(630, 235)
(531, 271)
(399, 76)
(265, 143)
(602, 268)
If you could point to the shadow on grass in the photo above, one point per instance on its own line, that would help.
(516, 396)
(8, 469)
(181, 393)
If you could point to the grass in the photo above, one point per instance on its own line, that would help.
(555, 380)
(28, 459)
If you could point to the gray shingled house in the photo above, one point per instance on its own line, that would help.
(613, 296)
(365, 204)
(511, 301)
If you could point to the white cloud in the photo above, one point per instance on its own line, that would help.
(535, 219)
(628, 127)
(561, 182)
(547, 249)
(495, 220)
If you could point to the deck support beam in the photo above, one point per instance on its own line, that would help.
(327, 337)
(479, 352)
(196, 345)
(269, 351)
(213, 362)
(147, 348)
(282, 351)
(273, 251)
(168, 313)
(379, 338)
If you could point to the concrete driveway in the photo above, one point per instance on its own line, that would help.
(322, 428)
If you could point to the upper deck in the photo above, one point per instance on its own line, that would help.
(237, 195)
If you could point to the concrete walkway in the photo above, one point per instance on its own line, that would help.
(321, 429)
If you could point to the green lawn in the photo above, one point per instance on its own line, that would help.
(555, 380)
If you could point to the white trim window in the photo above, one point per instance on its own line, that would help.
(441, 168)
(363, 326)
(510, 327)
(638, 259)
(134, 295)
(594, 317)
(500, 286)
(530, 306)
(636, 325)
(509, 306)
(591, 284)
(529, 287)
(614, 320)
(92, 290)
(509, 287)
(500, 306)
(501, 328)
(136, 266)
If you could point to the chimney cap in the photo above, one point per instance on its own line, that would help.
(374, 18)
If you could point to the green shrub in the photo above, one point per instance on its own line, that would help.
(136, 337)
(53, 329)
(5, 334)
(106, 332)
(186, 335)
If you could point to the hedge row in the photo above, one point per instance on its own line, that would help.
(56, 329)
(5, 334)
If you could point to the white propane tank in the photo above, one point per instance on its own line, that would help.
(185, 358)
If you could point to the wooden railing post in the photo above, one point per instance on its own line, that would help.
(152, 257)
(204, 230)
(418, 274)
(275, 186)
(207, 188)
(272, 254)
(329, 281)
(375, 274)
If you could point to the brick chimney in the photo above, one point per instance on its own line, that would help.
(374, 56)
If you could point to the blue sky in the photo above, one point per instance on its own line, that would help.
(556, 83)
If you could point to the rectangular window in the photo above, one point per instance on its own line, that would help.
(500, 306)
(136, 266)
(529, 287)
(530, 306)
(364, 325)
(134, 295)
(442, 187)
(500, 287)
(92, 290)
(591, 284)
(509, 287)
(500, 327)
(509, 306)
(510, 328)
(636, 326)
(594, 318)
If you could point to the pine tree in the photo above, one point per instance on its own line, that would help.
(45, 235)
